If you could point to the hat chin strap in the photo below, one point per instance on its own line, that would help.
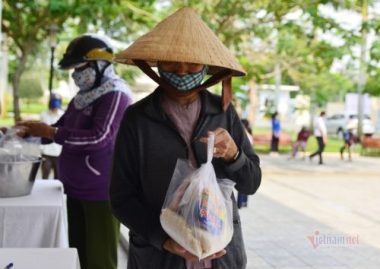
(99, 73)
(224, 76)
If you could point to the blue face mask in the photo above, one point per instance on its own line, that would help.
(184, 82)
(55, 103)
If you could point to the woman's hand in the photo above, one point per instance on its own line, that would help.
(15, 130)
(225, 146)
(324, 138)
(3, 130)
(173, 247)
(37, 128)
(216, 255)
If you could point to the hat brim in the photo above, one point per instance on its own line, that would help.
(212, 69)
(182, 37)
(68, 63)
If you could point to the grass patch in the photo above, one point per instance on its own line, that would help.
(6, 122)
(371, 152)
(333, 144)
(264, 149)
(30, 108)
(35, 108)
(29, 111)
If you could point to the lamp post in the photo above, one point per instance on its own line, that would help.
(53, 29)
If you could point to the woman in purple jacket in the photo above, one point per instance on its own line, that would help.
(87, 133)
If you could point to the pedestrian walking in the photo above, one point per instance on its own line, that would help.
(276, 131)
(320, 133)
(3, 130)
(349, 139)
(171, 123)
(300, 144)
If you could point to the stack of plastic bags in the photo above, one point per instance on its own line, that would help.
(15, 149)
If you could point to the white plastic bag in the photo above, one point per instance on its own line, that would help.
(16, 149)
(197, 212)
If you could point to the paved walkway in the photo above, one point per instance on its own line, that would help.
(307, 215)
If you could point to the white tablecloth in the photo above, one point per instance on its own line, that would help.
(40, 258)
(37, 220)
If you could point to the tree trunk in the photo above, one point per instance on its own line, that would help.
(363, 66)
(313, 109)
(278, 81)
(16, 84)
(252, 102)
(3, 76)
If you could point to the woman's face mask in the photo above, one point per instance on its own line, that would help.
(84, 79)
(184, 82)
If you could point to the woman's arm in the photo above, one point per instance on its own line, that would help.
(126, 193)
(105, 123)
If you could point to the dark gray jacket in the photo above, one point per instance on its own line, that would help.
(146, 152)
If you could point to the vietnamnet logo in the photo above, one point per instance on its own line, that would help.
(332, 240)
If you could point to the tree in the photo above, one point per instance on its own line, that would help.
(26, 23)
(30, 87)
(248, 28)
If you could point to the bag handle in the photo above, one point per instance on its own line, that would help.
(210, 146)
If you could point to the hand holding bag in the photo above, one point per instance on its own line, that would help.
(197, 211)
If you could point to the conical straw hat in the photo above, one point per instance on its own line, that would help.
(182, 37)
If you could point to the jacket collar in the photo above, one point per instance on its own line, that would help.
(210, 104)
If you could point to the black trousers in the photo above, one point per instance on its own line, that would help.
(94, 232)
(274, 143)
(347, 145)
(321, 147)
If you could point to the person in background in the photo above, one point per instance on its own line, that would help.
(242, 198)
(87, 132)
(3, 130)
(320, 133)
(50, 152)
(302, 137)
(276, 130)
(173, 123)
(349, 139)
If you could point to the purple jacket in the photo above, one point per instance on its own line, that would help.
(87, 137)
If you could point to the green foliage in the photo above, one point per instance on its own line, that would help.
(30, 86)
(328, 86)
(260, 34)
(373, 81)
(28, 25)
(240, 90)
(375, 51)
(127, 72)
(333, 145)
(373, 84)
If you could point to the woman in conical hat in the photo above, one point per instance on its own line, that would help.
(171, 123)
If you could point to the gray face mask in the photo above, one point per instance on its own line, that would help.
(186, 82)
(84, 79)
